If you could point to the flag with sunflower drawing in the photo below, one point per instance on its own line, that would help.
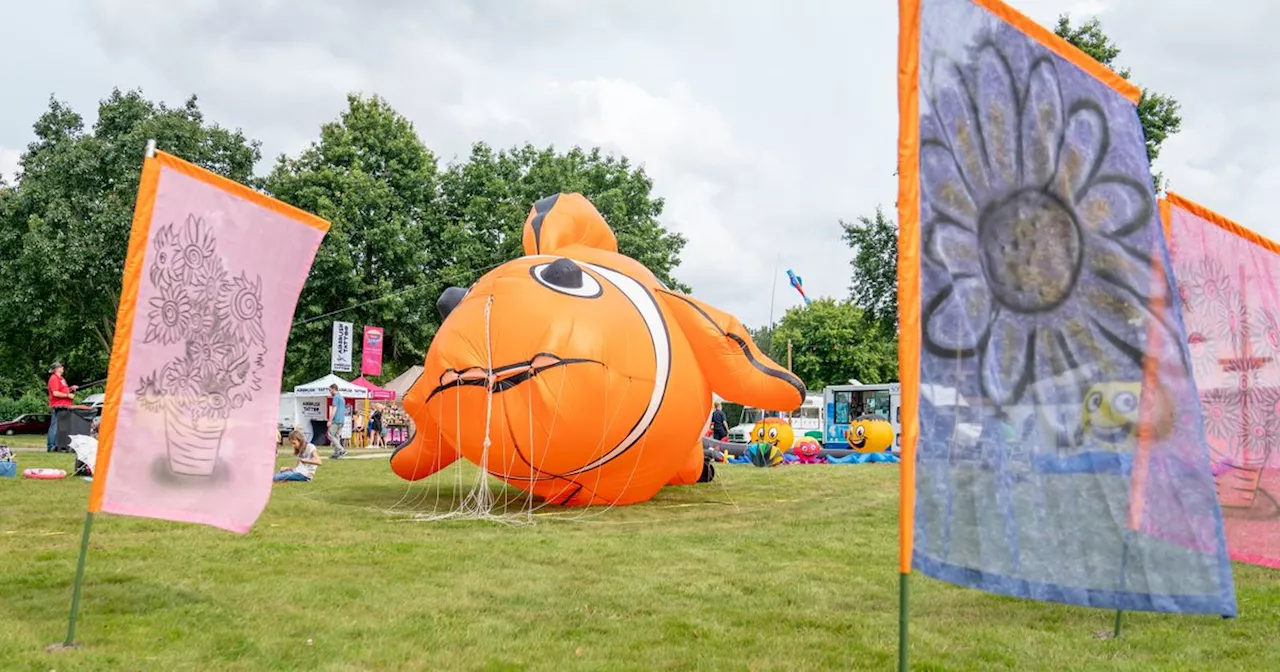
(211, 281)
(1226, 278)
(1034, 281)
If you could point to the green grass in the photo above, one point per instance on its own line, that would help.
(791, 568)
(25, 440)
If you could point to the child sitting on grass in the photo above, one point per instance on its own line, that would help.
(308, 460)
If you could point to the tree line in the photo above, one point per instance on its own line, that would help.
(404, 227)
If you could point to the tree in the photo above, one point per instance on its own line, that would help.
(64, 226)
(763, 338)
(832, 342)
(489, 196)
(1157, 112)
(402, 231)
(370, 175)
(874, 289)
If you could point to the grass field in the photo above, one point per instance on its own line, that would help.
(792, 568)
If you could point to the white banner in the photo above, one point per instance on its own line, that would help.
(342, 333)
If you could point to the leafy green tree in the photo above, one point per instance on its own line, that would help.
(370, 175)
(1157, 112)
(402, 230)
(832, 342)
(64, 226)
(488, 197)
(874, 241)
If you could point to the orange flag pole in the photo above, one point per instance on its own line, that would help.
(908, 294)
(1150, 389)
(70, 641)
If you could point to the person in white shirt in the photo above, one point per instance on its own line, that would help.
(308, 460)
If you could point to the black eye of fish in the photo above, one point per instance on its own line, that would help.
(563, 273)
(449, 299)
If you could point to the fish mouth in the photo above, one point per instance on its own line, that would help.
(506, 377)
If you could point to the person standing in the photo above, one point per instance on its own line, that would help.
(376, 439)
(337, 416)
(719, 424)
(60, 396)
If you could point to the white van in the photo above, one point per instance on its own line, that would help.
(808, 419)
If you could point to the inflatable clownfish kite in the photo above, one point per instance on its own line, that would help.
(594, 379)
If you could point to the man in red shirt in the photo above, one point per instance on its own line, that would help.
(60, 395)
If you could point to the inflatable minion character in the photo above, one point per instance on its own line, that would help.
(870, 434)
(775, 432)
(1111, 414)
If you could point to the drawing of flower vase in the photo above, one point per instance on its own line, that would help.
(1241, 425)
(217, 319)
(193, 442)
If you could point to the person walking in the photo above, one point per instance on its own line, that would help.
(337, 417)
(60, 396)
(719, 424)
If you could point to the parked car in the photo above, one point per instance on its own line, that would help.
(31, 423)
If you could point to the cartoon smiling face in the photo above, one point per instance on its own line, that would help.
(775, 432)
(807, 447)
(1112, 416)
(870, 434)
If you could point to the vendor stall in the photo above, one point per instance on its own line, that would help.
(312, 403)
(376, 395)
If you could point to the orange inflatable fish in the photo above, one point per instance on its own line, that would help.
(594, 380)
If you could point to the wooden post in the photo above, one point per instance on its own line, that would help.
(788, 354)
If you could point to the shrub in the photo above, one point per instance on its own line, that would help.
(30, 402)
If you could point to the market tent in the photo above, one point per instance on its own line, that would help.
(401, 384)
(320, 388)
(311, 403)
(375, 393)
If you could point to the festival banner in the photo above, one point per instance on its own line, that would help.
(342, 347)
(371, 352)
(189, 424)
(1226, 280)
(1034, 281)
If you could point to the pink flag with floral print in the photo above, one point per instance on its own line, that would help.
(1227, 282)
(211, 282)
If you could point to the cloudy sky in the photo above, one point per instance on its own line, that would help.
(753, 116)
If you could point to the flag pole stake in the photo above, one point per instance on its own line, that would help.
(75, 591)
(903, 582)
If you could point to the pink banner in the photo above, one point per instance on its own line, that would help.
(371, 352)
(210, 286)
(1226, 277)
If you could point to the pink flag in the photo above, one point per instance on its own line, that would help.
(1226, 277)
(371, 352)
(211, 282)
